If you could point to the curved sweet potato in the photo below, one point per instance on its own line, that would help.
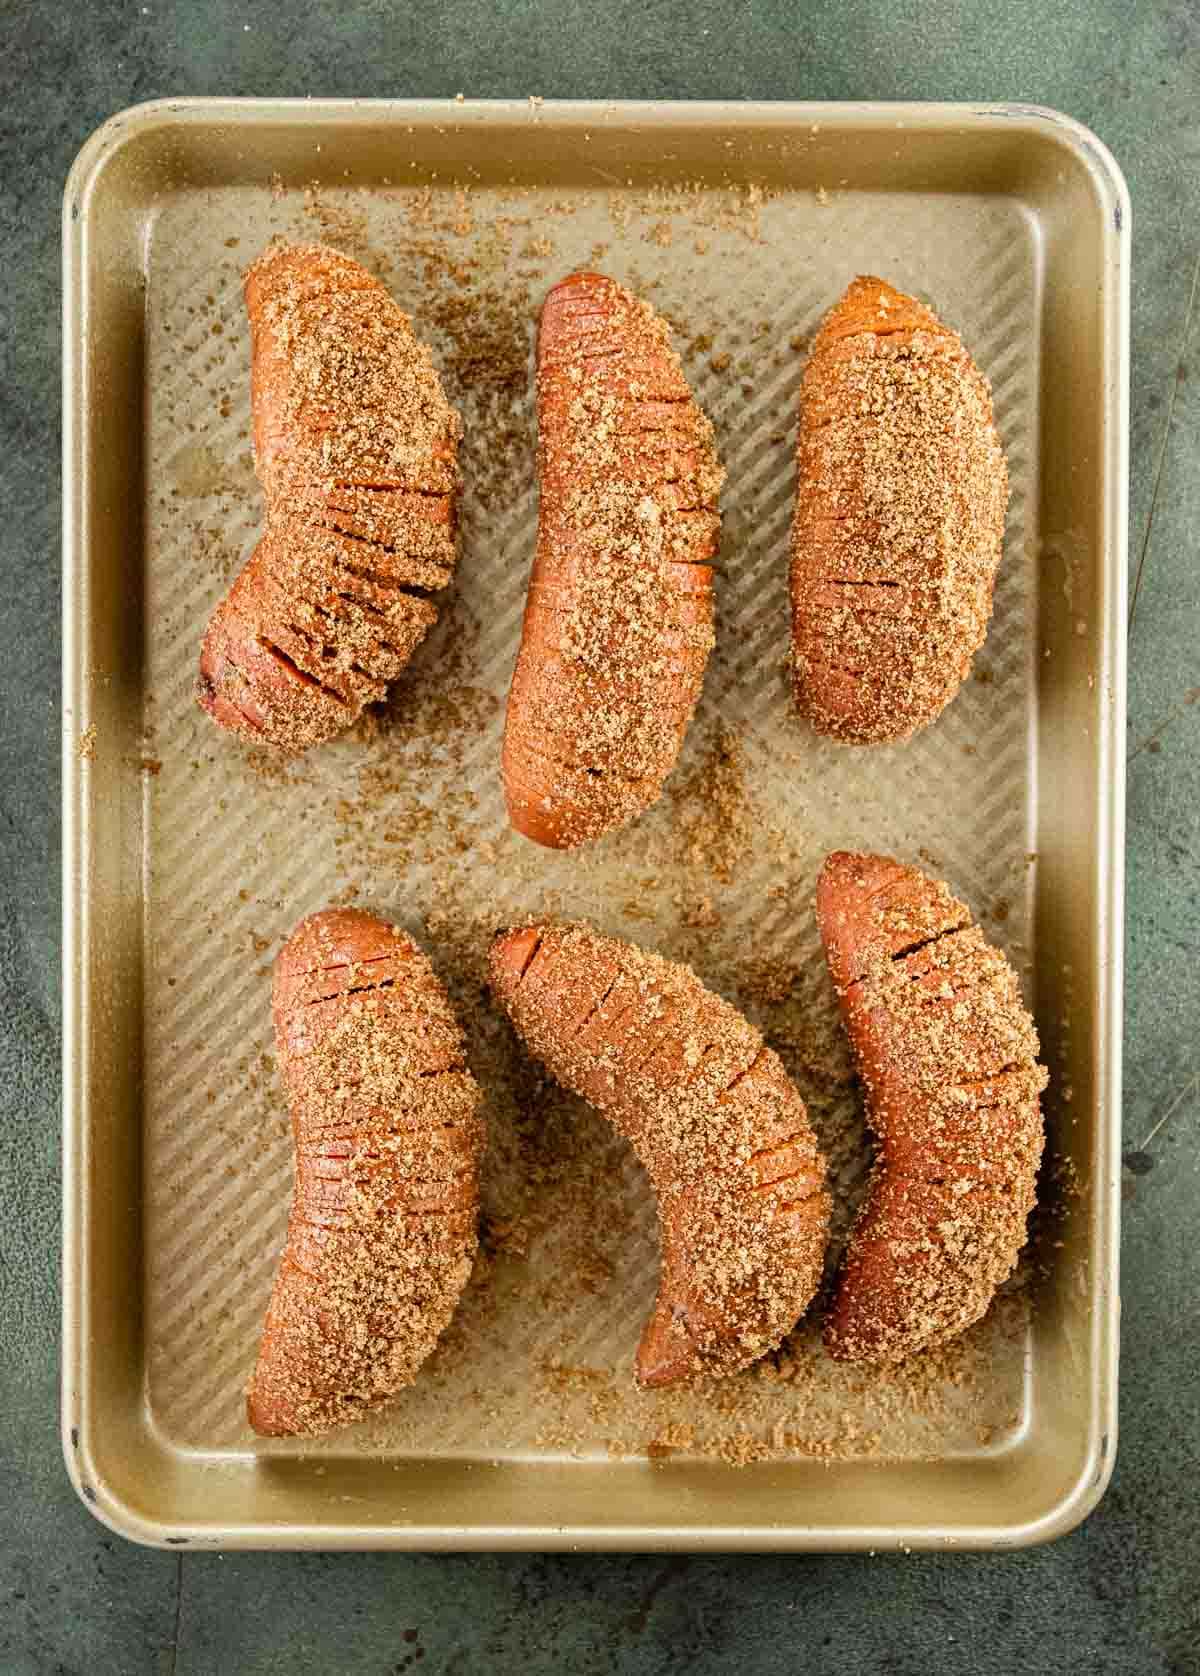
(899, 521)
(618, 624)
(711, 1114)
(388, 1137)
(948, 1056)
(355, 447)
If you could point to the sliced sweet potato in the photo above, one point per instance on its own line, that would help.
(947, 1054)
(355, 447)
(711, 1114)
(618, 625)
(388, 1139)
(901, 496)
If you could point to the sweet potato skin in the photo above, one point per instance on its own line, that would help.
(947, 1054)
(711, 1114)
(899, 518)
(388, 1137)
(355, 447)
(618, 622)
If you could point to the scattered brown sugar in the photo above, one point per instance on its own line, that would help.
(680, 1435)
(338, 223)
(488, 328)
(739, 1449)
(713, 811)
(797, 1405)
(86, 747)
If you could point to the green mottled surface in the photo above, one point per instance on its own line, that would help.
(1120, 1595)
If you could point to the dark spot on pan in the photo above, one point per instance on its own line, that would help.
(74, 1437)
(176, 1541)
(88, 1491)
(1118, 218)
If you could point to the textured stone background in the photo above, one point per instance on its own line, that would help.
(1120, 1595)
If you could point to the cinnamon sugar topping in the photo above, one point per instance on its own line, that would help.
(355, 446)
(711, 1114)
(948, 1055)
(899, 518)
(388, 1137)
(618, 626)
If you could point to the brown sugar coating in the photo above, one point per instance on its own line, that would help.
(948, 1057)
(711, 1114)
(899, 521)
(618, 622)
(388, 1139)
(355, 446)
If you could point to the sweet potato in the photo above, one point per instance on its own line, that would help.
(899, 520)
(618, 623)
(355, 446)
(711, 1114)
(388, 1138)
(948, 1057)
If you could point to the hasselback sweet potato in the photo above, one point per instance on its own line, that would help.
(948, 1057)
(618, 622)
(356, 447)
(388, 1138)
(899, 520)
(711, 1114)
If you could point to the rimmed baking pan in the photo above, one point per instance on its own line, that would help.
(187, 858)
